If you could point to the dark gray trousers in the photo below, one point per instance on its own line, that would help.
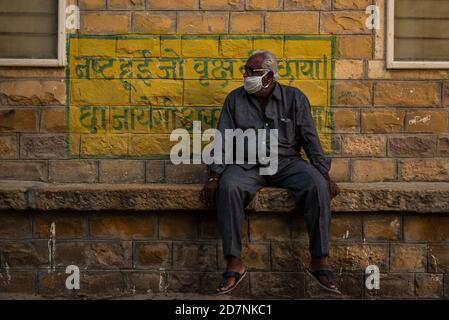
(238, 186)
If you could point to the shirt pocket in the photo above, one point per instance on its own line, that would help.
(286, 130)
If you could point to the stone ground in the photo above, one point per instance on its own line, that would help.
(168, 296)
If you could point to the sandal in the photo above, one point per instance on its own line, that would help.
(325, 273)
(226, 275)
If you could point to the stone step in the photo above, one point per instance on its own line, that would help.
(422, 197)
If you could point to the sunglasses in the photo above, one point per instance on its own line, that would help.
(251, 71)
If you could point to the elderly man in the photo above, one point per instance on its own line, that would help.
(263, 103)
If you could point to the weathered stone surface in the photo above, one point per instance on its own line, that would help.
(277, 284)
(384, 227)
(289, 256)
(382, 121)
(12, 197)
(185, 173)
(407, 93)
(435, 169)
(177, 226)
(155, 171)
(372, 170)
(92, 285)
(343, 22)
(32, 92)
(438, 258)
(394, 285)
(352, 93)
(366, 145)
(256, 256)
(421, 228)
(145, 282)
(416, 146)
(17, 282)
(408, 258)
(9, 146)
(350, 284)
(66, 225)
(45, 146)
(307, 4)
(419, 197)
(443, 146)
(23, 170)
(124, 227)
(208, 227)
(17, 225)
(73, 171)
(346, 227)
(24, 254)
(152, 255)
(357, 257)
(191, 256)
(429, 286)
(94, 255)
(122, 171)
(269, 228)
(183, 282)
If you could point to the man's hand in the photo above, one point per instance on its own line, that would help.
(334, 190)
(209, 190)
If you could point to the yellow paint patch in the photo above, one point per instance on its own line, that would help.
(128, 93)
(207, 47)
(236, 48)
(150, 47)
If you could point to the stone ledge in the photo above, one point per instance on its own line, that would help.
(420, 197)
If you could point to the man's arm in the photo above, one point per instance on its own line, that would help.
(225, 121)
(307, 134)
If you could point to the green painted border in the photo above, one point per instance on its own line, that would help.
(331, 38)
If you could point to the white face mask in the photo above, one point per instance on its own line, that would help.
(254, 84)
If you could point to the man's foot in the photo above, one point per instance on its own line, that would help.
(319, 270)
(235, 272)
(325, 279)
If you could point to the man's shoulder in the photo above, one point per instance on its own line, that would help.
(237, 92)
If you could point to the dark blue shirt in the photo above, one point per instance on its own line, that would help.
(288, 110)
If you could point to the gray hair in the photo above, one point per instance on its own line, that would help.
(269, 62)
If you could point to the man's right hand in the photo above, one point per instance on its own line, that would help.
(209, 191)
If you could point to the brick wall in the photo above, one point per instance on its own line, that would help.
(375, 137)
(157, 254)
(378, 135)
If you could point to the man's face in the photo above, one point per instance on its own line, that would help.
(253, 67)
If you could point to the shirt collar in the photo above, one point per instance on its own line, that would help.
(277, 91)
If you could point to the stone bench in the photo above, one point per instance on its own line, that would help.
(153, 240)
(418, 197)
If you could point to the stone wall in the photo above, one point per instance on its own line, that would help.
(386, 130)
(161, 254)
(387, 125)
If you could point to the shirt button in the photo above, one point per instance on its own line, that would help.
(266, 124)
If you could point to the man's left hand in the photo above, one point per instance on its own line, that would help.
(333, 187)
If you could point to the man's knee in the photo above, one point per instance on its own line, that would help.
(314, 184)
(228, 184)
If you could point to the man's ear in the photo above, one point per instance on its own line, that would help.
(269, 77)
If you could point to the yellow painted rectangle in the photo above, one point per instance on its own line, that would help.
(128, 93)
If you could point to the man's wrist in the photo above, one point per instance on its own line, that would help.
(213, 176)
